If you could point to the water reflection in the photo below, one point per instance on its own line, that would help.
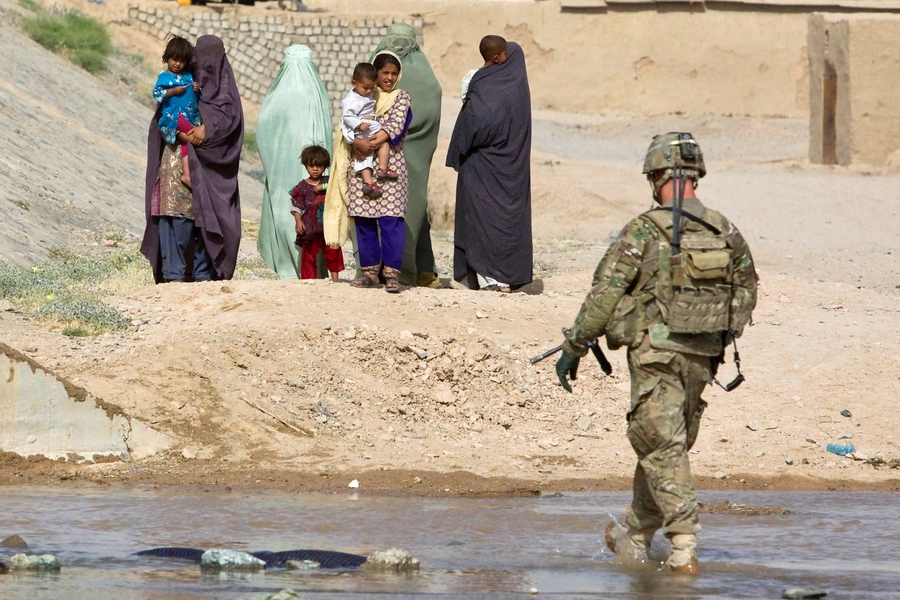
(488, 548)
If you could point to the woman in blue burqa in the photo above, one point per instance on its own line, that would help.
(294, 114)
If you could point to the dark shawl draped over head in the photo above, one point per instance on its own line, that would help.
(491, 151)
(418, 146)
(214, 164)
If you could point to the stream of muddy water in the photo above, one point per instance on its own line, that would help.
(843, 543)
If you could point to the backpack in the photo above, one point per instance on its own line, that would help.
(693, 290)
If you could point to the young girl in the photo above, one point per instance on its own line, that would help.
(177, 91)
(308, 208)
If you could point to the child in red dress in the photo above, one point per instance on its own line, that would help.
(308, 208)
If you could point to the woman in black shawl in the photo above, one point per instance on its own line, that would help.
(210, 212)
(491, 152)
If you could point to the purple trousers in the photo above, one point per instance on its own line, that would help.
(375, 249)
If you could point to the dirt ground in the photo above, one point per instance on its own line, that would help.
(309, 385)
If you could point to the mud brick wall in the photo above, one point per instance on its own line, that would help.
(255, 43)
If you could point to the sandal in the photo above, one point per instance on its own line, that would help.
(372, 191)
(386, 174)
(364, 282)
(496, 288)
(392, 285)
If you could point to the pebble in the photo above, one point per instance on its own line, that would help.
(481, 315)
(803, 593)
(188, 454)
(13, 541)
(583, 422)
(753, 426)
(231, 560)
(533, 591)
(789, 460)
(418, 352)
(720, 475)
(353, 484)
(846, 413)
(25, 562)
(393, 559)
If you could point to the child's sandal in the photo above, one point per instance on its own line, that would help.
(386, 174)
(372, 191)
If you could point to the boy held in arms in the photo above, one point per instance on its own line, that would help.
(177, 92)
(358, 120)
(308, 208)
(493, 51)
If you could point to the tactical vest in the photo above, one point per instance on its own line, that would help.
(683, 299)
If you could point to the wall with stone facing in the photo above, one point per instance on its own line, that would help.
(255, 43)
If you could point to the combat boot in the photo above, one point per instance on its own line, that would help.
(684, 554)
(629, 545)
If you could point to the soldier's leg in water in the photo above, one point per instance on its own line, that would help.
(659, 435)
(644, 516)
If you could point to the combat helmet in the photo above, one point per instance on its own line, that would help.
(675, 147)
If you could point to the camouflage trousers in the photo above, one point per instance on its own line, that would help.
(663, 423)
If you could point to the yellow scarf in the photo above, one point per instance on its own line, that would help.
(336, 222)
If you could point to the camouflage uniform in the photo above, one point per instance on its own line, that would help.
(668, 371)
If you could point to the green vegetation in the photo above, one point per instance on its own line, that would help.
(79, 38)
(20, 203)
(68, 289)
(250, 142)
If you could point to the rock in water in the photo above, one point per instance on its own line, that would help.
(393, 559)
(3, 568)
(803, 593)
(217, 559)
(302, 565)
(25, 562)
(287, 594)
(14, 541)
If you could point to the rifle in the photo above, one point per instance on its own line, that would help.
(593, 345)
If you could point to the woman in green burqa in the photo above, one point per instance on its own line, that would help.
(294, 114)
(425, 92)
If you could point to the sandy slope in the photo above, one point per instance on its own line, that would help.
(311, 384)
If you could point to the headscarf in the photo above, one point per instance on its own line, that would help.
(420, 143)
(295, 113)
(214, 164)
(337, 223)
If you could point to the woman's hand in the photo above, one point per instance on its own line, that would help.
(363, 147)
(181, 137)
(197, 135)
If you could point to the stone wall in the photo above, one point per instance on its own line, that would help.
(255, 43)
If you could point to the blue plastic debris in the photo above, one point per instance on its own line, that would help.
(841, 448)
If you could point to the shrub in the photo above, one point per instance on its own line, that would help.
(67, 289)
(81, 39)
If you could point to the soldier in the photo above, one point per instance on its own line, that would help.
(676, 286)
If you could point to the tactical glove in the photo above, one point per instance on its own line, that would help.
(567, 365)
